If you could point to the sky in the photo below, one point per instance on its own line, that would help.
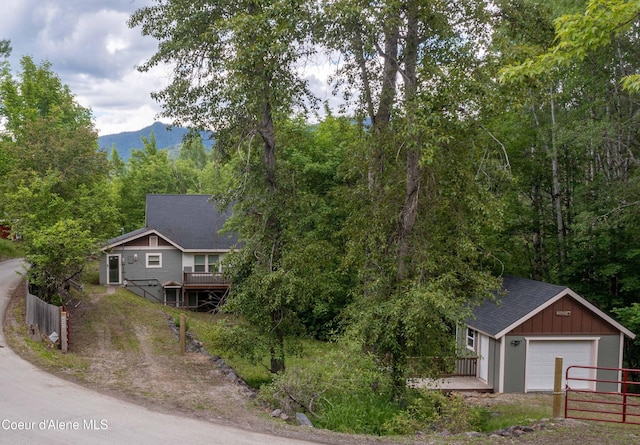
(95, 53)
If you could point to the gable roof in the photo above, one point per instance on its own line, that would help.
(188, 222)
(191, 221)
(520, 300)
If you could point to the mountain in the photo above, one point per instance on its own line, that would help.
(166, 138)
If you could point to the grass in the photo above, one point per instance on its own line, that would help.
(108, 318)
(10, 249)
(538, 407)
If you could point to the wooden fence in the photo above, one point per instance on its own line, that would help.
(49, 319)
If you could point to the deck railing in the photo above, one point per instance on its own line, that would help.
(447, 366)
(466, 366)
(203, 279)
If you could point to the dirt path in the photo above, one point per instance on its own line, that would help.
(150, 370)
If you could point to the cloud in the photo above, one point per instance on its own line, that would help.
(94, 52)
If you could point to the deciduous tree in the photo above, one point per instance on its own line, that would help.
(235, 72)
(54, 194)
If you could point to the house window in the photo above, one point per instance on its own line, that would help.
(206, 263)
(154, 260)
(213, 261)
(471, 339)
(153, 241)
(199, 264)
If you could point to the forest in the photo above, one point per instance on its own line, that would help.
(475, 140)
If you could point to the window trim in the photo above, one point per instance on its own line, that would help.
(216, 263)
(202, 265)
(153, 266)
(471, 339)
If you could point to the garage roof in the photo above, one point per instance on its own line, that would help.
(519, 300)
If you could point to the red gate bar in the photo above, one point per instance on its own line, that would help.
(599, 401)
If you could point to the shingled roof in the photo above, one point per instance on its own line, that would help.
(519, 300)
(191, 221)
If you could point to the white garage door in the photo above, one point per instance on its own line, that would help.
(541, 357)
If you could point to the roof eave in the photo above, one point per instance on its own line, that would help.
(140, 235)
(559, 295)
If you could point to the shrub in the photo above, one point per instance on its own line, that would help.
(431, 410)
(239, 340)
(10, 249)
(342, 390)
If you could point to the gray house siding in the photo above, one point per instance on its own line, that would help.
(142, 277)
(608, 352)
(494, 369)
(102, 269)
(514, 364)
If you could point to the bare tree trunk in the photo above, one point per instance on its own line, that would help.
(557, 194)
(537, 236)
(409, 212)
(267, 131)
(552, 152)
(382, 116)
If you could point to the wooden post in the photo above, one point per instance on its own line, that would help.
(557, 388)
(183, 333)
(64, 332)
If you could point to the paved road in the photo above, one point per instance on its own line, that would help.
(36, 407)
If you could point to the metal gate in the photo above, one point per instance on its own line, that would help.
(621, 406)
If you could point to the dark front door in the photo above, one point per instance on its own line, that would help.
(114, 269)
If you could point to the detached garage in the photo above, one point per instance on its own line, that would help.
(518, 337)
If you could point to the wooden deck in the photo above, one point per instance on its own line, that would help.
(204, 280)
(455, 383)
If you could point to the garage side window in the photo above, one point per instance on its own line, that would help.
(471, 339)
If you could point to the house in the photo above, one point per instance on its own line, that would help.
(517, 338)
(177, 258)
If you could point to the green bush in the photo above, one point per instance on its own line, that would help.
(10, 249)
(240, 341)
(430, 410)
(342, 390)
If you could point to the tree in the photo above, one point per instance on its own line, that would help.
(45, 129)
(235, 72)
(418, 249)
(580, 34)
(56, 184)
(149, 170)
(594, 181)
(5, 47)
